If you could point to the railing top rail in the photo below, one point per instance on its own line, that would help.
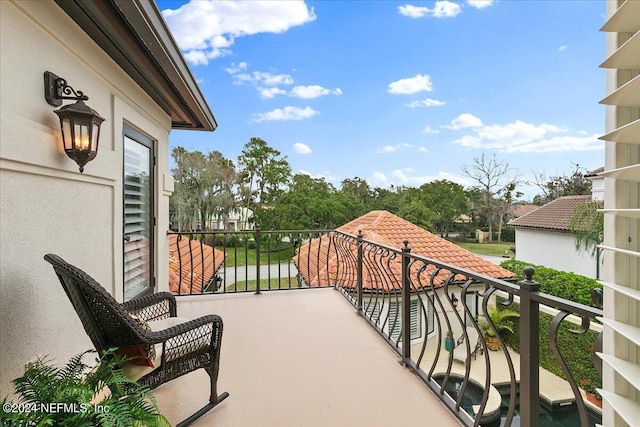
(566, 305)
(171, 232)
(543, 298)
(498, 283)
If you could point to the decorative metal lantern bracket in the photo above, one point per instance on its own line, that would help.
(56, 89)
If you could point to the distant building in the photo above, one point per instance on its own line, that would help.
(543, 237)
(237, 220)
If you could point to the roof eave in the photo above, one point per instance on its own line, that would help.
(530, 227)
(134, 34)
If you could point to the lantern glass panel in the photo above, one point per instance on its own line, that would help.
(67, 137)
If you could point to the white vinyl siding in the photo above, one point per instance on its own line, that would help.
(621, 250)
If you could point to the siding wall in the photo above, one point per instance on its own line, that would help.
(46, 204)
(554, 250)
(621, 371)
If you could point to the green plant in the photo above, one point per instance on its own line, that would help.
(587, 224)
(576, 349)
(501, 319)
(69, 396)
(571, 286)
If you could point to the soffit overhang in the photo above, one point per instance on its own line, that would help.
(134, 34)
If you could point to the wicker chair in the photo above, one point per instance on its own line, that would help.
(182, 345)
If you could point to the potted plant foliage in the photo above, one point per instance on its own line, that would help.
(78, 395)
(501, 319)
(590, 391)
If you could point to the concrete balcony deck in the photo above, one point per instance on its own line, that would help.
(300, 358)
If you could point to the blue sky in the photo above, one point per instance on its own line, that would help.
(399, 92)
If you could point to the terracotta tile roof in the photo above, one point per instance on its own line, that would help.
(521, 209)
(320, 261)
(555, 215)
(206, 262)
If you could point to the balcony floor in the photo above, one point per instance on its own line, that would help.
(300, 358)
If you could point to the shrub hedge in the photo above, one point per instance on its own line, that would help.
(576, 349)
(573, 287)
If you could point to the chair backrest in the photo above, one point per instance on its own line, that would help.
(106, 322)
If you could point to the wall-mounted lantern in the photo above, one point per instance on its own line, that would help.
(79, 123)
(454, 300)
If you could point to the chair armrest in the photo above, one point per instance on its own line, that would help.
(153, 307)
(193, 335)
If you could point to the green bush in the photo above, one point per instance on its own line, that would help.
(508, 234)
(576, 349)
(573, 287)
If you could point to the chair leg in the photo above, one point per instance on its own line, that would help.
(206, 408)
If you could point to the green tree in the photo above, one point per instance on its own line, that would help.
(505, 200)
(417, 213)
(203, 188)
(573, 184)
(357, 195)
(447, 201)
(386, 199)
(263, 175)
(309, 203)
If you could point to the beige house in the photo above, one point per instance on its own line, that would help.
(621, 280)
(113, 217)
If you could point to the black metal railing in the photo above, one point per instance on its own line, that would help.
(240, 261)
(434, 315)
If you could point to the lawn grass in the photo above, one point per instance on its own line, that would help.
(494, 249)
(241, 257)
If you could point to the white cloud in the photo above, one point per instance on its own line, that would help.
(464, 120)
(300, 148)
(428, 130)
(441, 9)
(286, 113)
(522, 137)
(406, 177)
(425, 103)
(397, 147)
(559, 144)
(408, 86)
(206, 30)
(387, 149)
(267, 84)
(480, 4)
(270, 92)
(563, 48)
(233, 68)
(261, 78)
(313, 91)
(423, 149)
(327, 175)
(379, 177)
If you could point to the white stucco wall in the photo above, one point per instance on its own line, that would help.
(554, 250)
(46, 205)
